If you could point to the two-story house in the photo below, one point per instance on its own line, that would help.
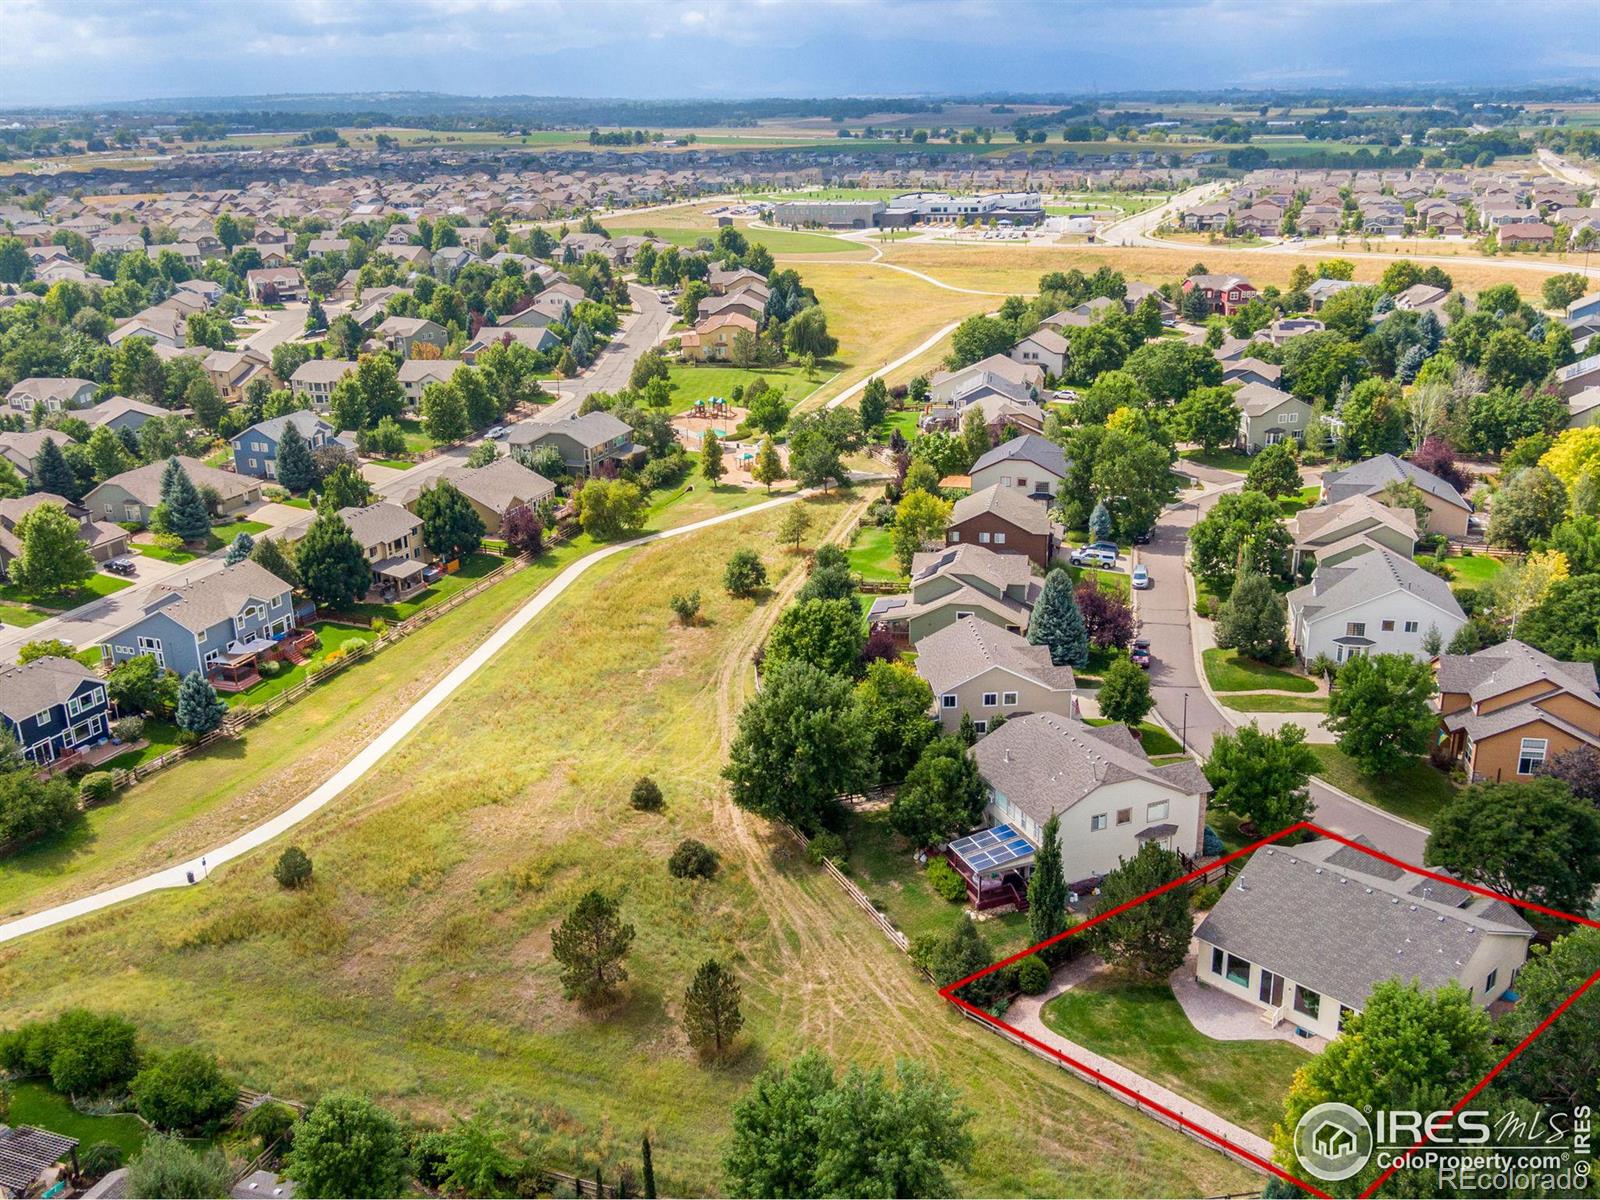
(956, 582)
(1268, 415)
(1031, 465)
(1448, 509)
(316, 378)
(1225, 294)
(54, 708)
(980, 670)
(416, 374)
(255, 450)
(1376, 602)
(584, 442)
(712, 339)
(53, 395)
(1006, 522)
(400, 334)
(391, 538)
(1042, 348)
(1332, 533)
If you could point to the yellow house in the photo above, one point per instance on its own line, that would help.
(712, 339)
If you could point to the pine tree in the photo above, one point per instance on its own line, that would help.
(199, 709)
(1254, 619)
(974, 435)
(649, 1169)
(768, 467)
(185, 512)
(711, 465)
(967, 731)
(451, 527)
(52, 473)
(1047, 886)
(296, 471)
(711, 1015)
(1100, 523)
(1057, 623)
(240, 549)
(590, 945)
(333, 569)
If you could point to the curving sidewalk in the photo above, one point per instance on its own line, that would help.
(352, 772)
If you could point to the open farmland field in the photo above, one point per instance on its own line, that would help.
(417, 965)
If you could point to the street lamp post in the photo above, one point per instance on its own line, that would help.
(1184, 733)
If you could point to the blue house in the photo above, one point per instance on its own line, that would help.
(53, 708)
(222, 625)
(255, 451)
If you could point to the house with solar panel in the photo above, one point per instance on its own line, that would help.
(1111, 800)
(35, 1162)
(1304, 933)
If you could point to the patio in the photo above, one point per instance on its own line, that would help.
(1225, 1018)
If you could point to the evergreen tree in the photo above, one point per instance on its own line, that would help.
(296, 470)
(974, 435)
(344, 487)
(1254, 619)
(199, 709)
(274, 556)
(1100, 522)
(240, 549)
(1047, 886)
(649, 1169)
(967, 731)
(52, 473)
(711, 1015)
(1057, 623)
(451, 527)
(711, 464)
(185, 513)
(590, 945)
(333, 569)
(1152, 936)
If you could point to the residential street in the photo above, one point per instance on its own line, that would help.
(1166, 617)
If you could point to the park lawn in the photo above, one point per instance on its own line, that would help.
(882, 865)
(1156, 741)
(473, 568)
(1143, 1027)
(96, 587)
(778, 241)
(330, 636)
(441, 875)
(1262, 703)
(1229, 671)
(38, 1104)
(872, 556)
(11, 614)
(162, 736)
(1220, 459)
(691, 383)
(1304, 498)
(697, 498)
(1416, 791)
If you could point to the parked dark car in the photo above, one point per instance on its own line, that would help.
(120, 566)
(1142, 539)
(1141, 653)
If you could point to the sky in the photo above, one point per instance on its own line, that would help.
(101, 51)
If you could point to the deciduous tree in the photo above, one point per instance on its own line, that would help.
(346, 1146)
(1260, 777)
(53, 555)
(332, 566)
(1380, 710)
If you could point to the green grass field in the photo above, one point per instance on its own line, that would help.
(691, 383)
(1417, 791)
(96, 587)
(417, 966)
(778, 241)
(11, 614)
(1261, 703)
(872, 556)
(473, 569)
(1143, 1027)
(1221, 460)
(1474, 570)
(1228, 671)
(40, 1105)
(1304, 498)
(162, 736)
(332, 638)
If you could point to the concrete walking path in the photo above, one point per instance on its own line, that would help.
(370, 755)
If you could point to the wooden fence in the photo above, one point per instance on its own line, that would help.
(885, 926)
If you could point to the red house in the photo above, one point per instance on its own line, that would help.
(1225, 294)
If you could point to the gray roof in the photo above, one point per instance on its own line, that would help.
(1512, 665)
(144, 483)
(1367, 576)
(116, 406)
(590, 429)
(1257, 399)
(216, 597)
(322, 370)
(1340, 922)
(304, 420)
(1373, 474)
(501, 485)
(37, 387)
(26, 1153)
(967, 558)
(1003, 502)
(380, 522)
(964, 649)
(1030, 447)
(1045, 763)
(36, 686)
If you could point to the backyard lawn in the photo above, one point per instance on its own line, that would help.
(903, 421)
(96, 587)
(1228, 671)
(40, 1105)
(1221, 460)
(162, 736)
(1304, 498)
(1143, 1027)
(416, 440)
(1472, 570)
(331, 637)
(1416, 792)
(872, 556)
(473, 569)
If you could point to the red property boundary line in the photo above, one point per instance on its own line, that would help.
(1239, 1152)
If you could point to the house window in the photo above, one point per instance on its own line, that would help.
(999, 539)
(1386, 626)
(1006, 480)
(1008, 698)
(962, 615)
(1355, 629)
(1217, 959)
(955, 535)
(1156, 811)
(990, 699)
(1238, 970)
(981, 726)
(1097, 822)
(1124, 816)
(251, 612)
(1294, 418)
(1488, 984)
(1412, 626)
(983, 538)
(1307, 1002)
(948, 700)
(1531, 755)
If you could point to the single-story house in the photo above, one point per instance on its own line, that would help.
(120, 412)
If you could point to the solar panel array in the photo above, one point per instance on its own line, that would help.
(989, 849)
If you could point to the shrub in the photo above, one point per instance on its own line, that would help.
(183, 1090)
(167, 541)
(293, 868)
(663, 472)
(687, 607)
(93, 1053)
(97, 788)
(1211, 845)
(1322, 665)
(268, 1122)
(128, 729)
(646, 795)
(269, 669)
(692, 860)
(101, 1158)
(944, 880)
(1033, 977)
(827, 846)
(1205, 897)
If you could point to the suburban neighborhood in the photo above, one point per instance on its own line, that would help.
(957, 638)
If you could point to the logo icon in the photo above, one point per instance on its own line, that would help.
(1333, 1141)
